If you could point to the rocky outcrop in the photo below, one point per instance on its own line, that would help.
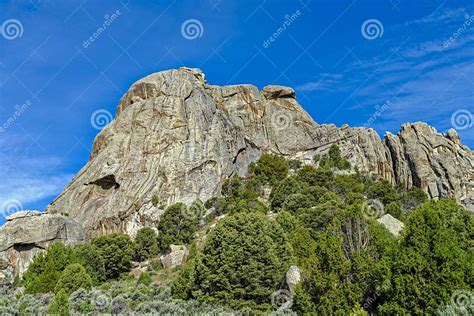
(176, 256)
(29, 232)
(293, 277)
(393, 225)
(438, 164)
(176, 137)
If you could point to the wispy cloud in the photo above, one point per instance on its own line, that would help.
(423, 79)
(27, 178)
(327, 81)
(440, 16)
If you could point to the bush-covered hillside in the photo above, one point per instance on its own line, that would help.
(319, 218)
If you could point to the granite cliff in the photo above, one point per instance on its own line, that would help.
(177, 138)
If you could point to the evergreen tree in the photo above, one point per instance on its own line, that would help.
(91, 259)
(269, 169)
(73, 277)
(434, 259)
(243, 261)
(60, 304)
(117, 250)
(146, 244)
(352, 258)
(46, 268)
(177, 226)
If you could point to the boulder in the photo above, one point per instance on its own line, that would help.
(22, 214)
(139, 267)
(275, 92)
(175, 258)
(29, 233)
(393, 225)
(468, 203)
(293, 277)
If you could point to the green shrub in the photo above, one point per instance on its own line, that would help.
(177, 226)
(297, 201)
(156, 264)
(352, 258)
(242, 262)
(433, 260)
(343, 185)
(394, 209)
(315, 176)
(73, 277)
(145, 278)
(117, 250)
(46, 268)
(146, 244)
(303, 244)
(413, 198)
(294, 164)
(281, 192)
(155, 200)
(334, 159)
(60, 304)
(91, 259)
(232, 188)
(269, 169)
(211, 202)
(383, 191)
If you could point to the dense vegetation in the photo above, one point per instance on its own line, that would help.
(322, 219)
(242, 260)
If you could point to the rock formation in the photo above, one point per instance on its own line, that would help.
(293, 277)
(27, 233)
(176, 256)
(179, 138)
(393, 225)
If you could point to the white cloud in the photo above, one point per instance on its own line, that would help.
(26, 178)
(424, 80)
(429, 47)
(441, 15)
(327, 81)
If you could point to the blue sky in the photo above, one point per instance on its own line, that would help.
(416, 57)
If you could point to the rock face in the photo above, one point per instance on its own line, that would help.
(438, 164)
(393, 225)
(27, 233)
(176, 137)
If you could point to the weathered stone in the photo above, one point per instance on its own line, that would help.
(393, 225)
(437, 164)
(22, 214)
(175, 258)
(265, 196)
(139, 267)
(293, 277)
(453, 136)
(342, 172)
(275, 92)
(468, 203)
(3, 264)
(179, 138)
(25, 236)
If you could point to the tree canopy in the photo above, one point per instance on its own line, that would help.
(285, 213)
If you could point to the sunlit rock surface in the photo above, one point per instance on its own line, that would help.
(179, 138)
